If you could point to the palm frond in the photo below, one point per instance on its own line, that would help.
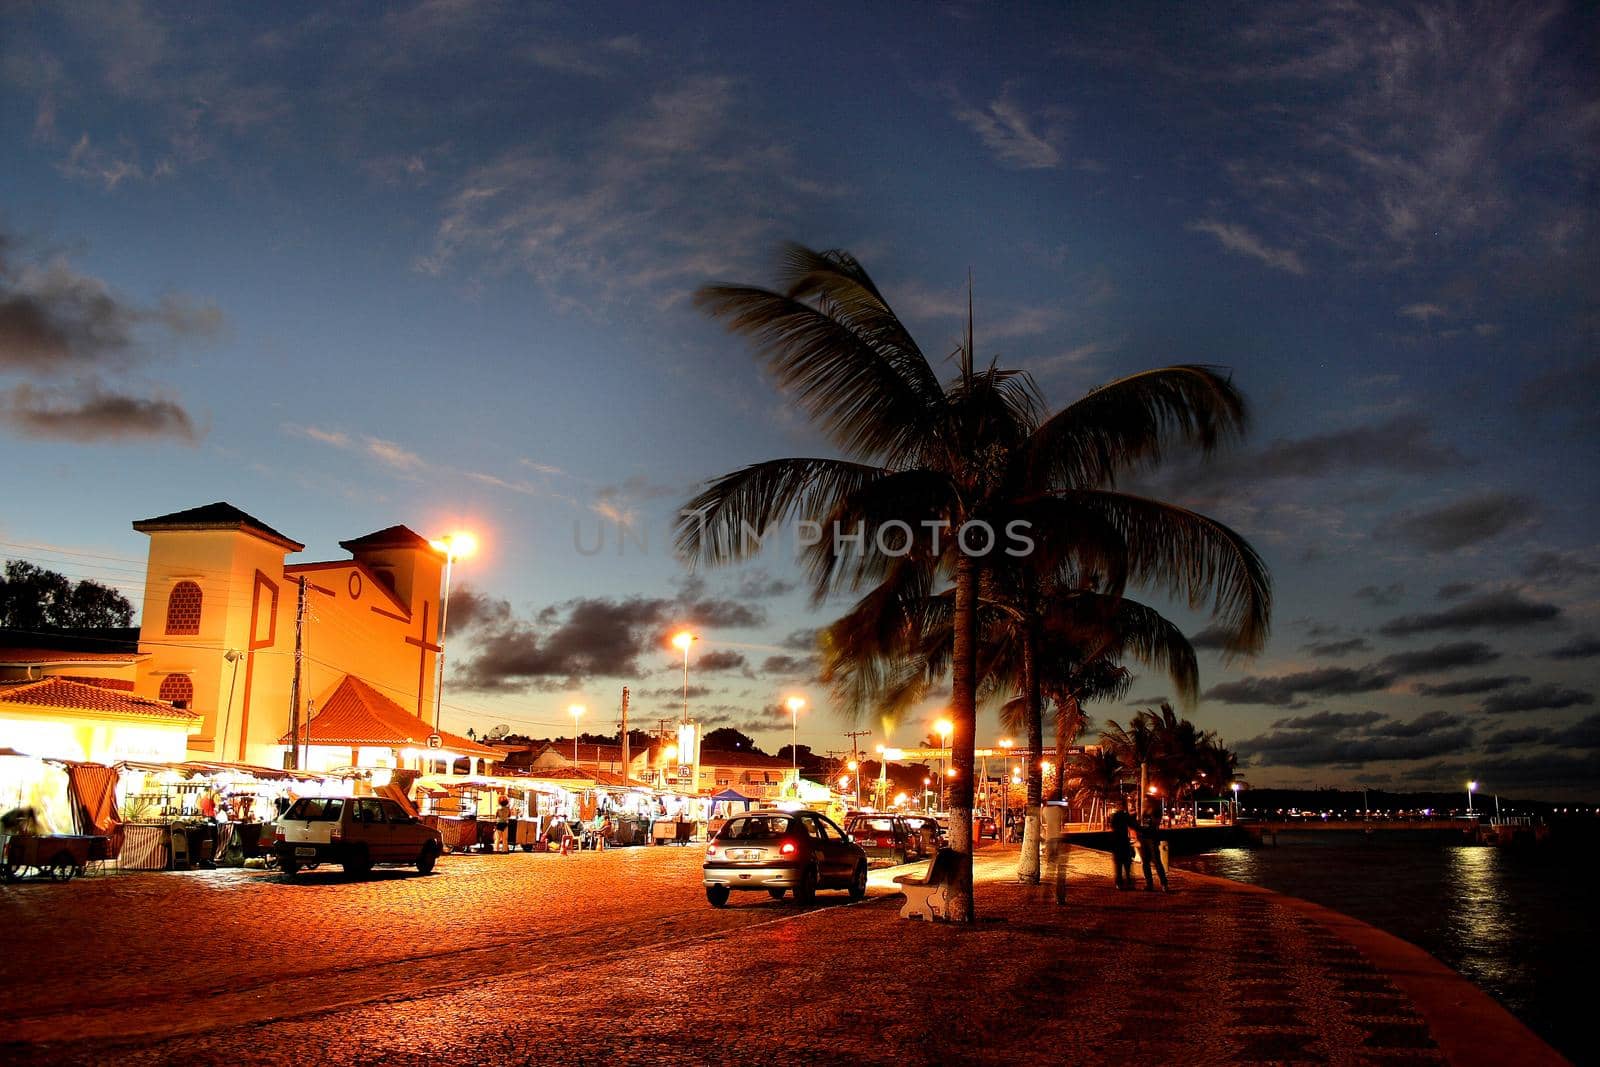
(1129, 422)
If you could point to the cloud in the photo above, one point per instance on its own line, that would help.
(1336, 649)
(1015, 138)
(1354, 739)
(1440, 658)
(1584, 646)
(720, 660)
(565, 644)
(760, 585)
(1236, 238)
(1386, 597)
(1537, 698)
(1212, 637)
(1286, 690)
(1455, 590)
(1585, 733)
(393, 455)
(1472, 686)
(1424, 313)
(1502, 610)
(802, 640)
(788, 666)
(1505, 740)
(472, 610)
(89, 414)
(57, 321)
(1559, 568)
(1462, 523)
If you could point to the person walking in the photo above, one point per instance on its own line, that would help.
(502, 826)
(1122, 828)
(1149, 831)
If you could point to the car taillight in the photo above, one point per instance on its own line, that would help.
(336, 833)
(786, 849)
(711, 850)
(277, 834)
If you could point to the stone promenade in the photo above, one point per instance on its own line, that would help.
(615, 958)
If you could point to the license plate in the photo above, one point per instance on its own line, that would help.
(305, 852)
(746, 853)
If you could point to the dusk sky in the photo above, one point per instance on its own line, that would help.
(345, 267)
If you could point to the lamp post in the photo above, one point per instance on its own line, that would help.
(576, 711)
(795, 704)
(926, 791)
(855, 772)
(943, 728)
(1005, 780)
(683, 640)
(1472, 787)
(1235, 787)
(454, 546)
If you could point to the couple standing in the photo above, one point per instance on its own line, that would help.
(1124, 830)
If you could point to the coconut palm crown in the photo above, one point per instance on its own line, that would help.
(922, 458)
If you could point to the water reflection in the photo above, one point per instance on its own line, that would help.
(1480, 923)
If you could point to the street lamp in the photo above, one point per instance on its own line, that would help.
(1005, 814)
(1235, 787)
(943, 728)
(1472, 787)
(576, 711)
(683, 640)
(949, 773)
(795, 704)
(926, 790)
(855, 768)
(453, 546)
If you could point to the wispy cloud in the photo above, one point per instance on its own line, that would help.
(1015, 137)
(1240, 239)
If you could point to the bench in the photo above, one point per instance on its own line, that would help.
(928, 896)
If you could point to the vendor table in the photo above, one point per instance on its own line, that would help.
(144, 848)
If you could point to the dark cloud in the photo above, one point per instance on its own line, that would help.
(1440, 658)
(759, 585)
(1472, 686)
(1462, 523)
(1353, 739)
(720, 660)
(669, 692)
(1404, 445)
(1285, 690)
(1569, 388)
(568, 643)
(54, 320)
(1324, 720)
(1585, 733)
(788, 665)
(1386, 597)
(1537, 698)
(1558, 568)
(1505, 740)
(804, 640)
(471, 610)
(1497, 610)
(1584, 646)
(1212, 638)
(1455, 590)
(1336, 649)
(88, 413)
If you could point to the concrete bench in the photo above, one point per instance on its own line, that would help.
(928, 896)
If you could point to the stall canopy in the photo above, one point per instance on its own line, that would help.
(732, 794)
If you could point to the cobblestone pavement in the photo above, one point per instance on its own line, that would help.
(616, 958)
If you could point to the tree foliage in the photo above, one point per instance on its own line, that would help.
(33, 598)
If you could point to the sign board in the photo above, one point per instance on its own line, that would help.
(435, 741)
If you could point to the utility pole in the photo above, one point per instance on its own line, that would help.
(624, 732)
(855, 757)
(294, 686)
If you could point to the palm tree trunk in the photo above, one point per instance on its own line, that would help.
(1062, 713)
(963, 716)
(1028, 862)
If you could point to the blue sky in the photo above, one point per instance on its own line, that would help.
(346, 267)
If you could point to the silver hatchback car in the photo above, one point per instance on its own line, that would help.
(781, 851)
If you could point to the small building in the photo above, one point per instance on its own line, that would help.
(63, 718)
(360, 727)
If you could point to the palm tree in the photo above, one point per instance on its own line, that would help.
(926, 459)
(1099, 775)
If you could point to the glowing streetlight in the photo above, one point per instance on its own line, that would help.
(683, 640)
(576, 711)
(854, 767)
(795, 704)
(453, 547)
(1235, 787)
(1472, 787)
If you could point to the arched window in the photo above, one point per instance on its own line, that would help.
(183, 609)
(178, 689)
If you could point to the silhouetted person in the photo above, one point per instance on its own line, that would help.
(1122, 826)
(1149, 831)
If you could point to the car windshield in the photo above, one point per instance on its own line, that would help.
(882, 826)
(755, 827)
(317, 809)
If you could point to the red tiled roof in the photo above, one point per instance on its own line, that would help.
(714, 758)
(218, 516)
(357, 714)
(389, 537)
(90, 699)
(33, 657)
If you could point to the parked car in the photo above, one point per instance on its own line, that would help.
(928, 828)
(355, 832)
(780, 851)
(885, 836)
